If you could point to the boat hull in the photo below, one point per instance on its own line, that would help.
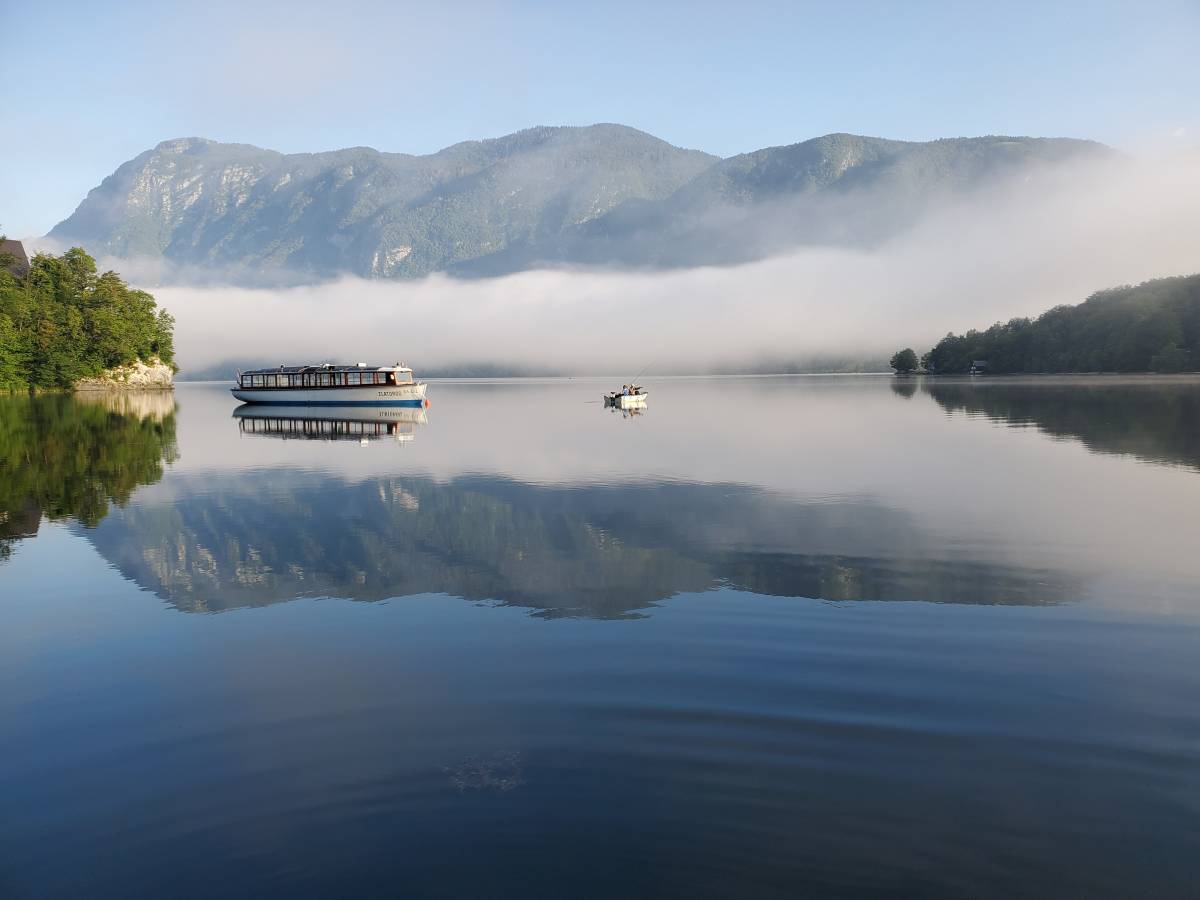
(372, 395)
(626, 401)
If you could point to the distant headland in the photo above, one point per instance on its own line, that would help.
(1150, 327)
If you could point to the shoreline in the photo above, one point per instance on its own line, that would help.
(465, 379)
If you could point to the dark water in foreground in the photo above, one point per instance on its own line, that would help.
(773, 637)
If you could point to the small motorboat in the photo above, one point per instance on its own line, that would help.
(631, 396)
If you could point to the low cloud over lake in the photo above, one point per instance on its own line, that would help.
(1015, 250)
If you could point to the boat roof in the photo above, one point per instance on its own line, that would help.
(325, 367)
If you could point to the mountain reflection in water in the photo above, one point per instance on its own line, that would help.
(591, 551)
(521, 494)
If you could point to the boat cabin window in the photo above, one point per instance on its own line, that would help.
(323, 379)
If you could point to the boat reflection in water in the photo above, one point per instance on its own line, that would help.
(331, 423)
(627, 412)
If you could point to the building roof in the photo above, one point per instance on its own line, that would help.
(326, 367)
(15, 249)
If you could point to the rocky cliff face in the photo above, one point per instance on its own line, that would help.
(138, 376)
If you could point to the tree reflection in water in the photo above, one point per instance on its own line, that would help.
(1152, 418)
(71, 457)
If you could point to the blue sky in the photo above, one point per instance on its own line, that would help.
(100, 82)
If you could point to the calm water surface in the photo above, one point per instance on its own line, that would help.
(772, 637)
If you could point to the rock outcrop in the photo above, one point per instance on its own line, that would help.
(154, 375)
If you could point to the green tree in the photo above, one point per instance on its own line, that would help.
(1153, 326)
(904, 361)
(1171, 358)
(62, 321)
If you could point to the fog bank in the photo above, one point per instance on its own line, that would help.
(1014, 250)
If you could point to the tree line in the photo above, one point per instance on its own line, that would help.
(61, 321)
(1150, 327)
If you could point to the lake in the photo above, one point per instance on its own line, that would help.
(823, 636)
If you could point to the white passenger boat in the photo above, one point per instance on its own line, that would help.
(331, 385)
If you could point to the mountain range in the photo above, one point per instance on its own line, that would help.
(601, 195)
